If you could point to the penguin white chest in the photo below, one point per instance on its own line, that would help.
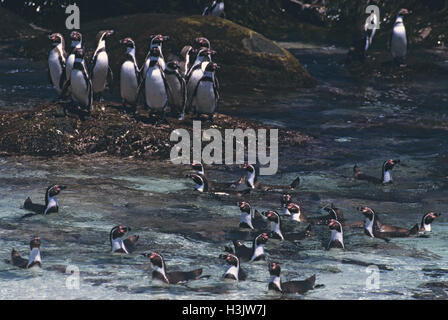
(218, 10)
(128, 82)
(205, 99)
(69, 65)
(399, 42)
(156, 97)
(79, 88)
(56, 69)
(100, 70)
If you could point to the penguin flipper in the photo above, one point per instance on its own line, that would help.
(49, 77)
(110, 78)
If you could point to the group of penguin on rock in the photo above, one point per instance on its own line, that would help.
(185, 84)
(261, 227)
(398, 40)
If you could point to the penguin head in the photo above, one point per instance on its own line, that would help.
(158, 38)
(261, 239)
(173, 66)
(75, 36)
(201, 42)
(128, 42)
(197, 166)
(335, 225)
(286, 199)
(211, 67)
(293, 208)
(429, 217)
(155, 258)
(245, 207)
(335, 213)
(55, 189)
(35, 243)
(119, 231)
(367, 212)
(273, 216)
(56, 39)
(389, 164)
(274, 269)
(206, 53)
(103, 34)
(249, 167)
(238, 243)
(231, 259)
(403, 12)
(79, 53)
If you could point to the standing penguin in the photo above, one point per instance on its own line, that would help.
(56, 62)
(99, 68)
(177, 94)
(215, 9)
(154, 84)
(156, 42)
(195, 74)
(185, 59)
(398, 45)
(80, 83)
(76, 39)
(206, 95)
(129, 75)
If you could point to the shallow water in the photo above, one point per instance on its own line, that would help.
(363, 122)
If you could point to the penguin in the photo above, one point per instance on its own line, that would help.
(159, 272)
(216, 9)
(80, 85)
(247, 221)
(76, 39)
(386, 173)
(206, 95)
(369, 33)
(298, 216)
(375, 229)
(336, 236)
(290, 287)
(195, 74)
(129, 76)
(295, 212)
(185, 59)
(427, 219)
(203, 185)
(177, 92)
(252, 183)
(34, 258)
(57, 62)
(276, 232)
(120, 245)
(256, 253)
(51, 202)
(398, 44)
(201, 181)
(285, 200)
(100, 70)
(154, 84)
(234, 271)
(155, 42)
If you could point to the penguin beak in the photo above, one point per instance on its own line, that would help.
(110, 32)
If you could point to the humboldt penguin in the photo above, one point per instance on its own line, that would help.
(80, 85)
(256, 253)
(398, 42)
(56, 62)
(76, 39)
(159, 272)
(375, 229)
(251, 180)
(206, 94)
(276, 232)
(216, 9)
(100, 70)
(120, 245)
(386, 173)
(195, 74)
(51, 202)
(154, 85)
(177, 92)
(155, 42)
(129, 76)
(34, 258)
(291, 287)
(336, 236)
(427, 219)
(234, 271)
(250, 218)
